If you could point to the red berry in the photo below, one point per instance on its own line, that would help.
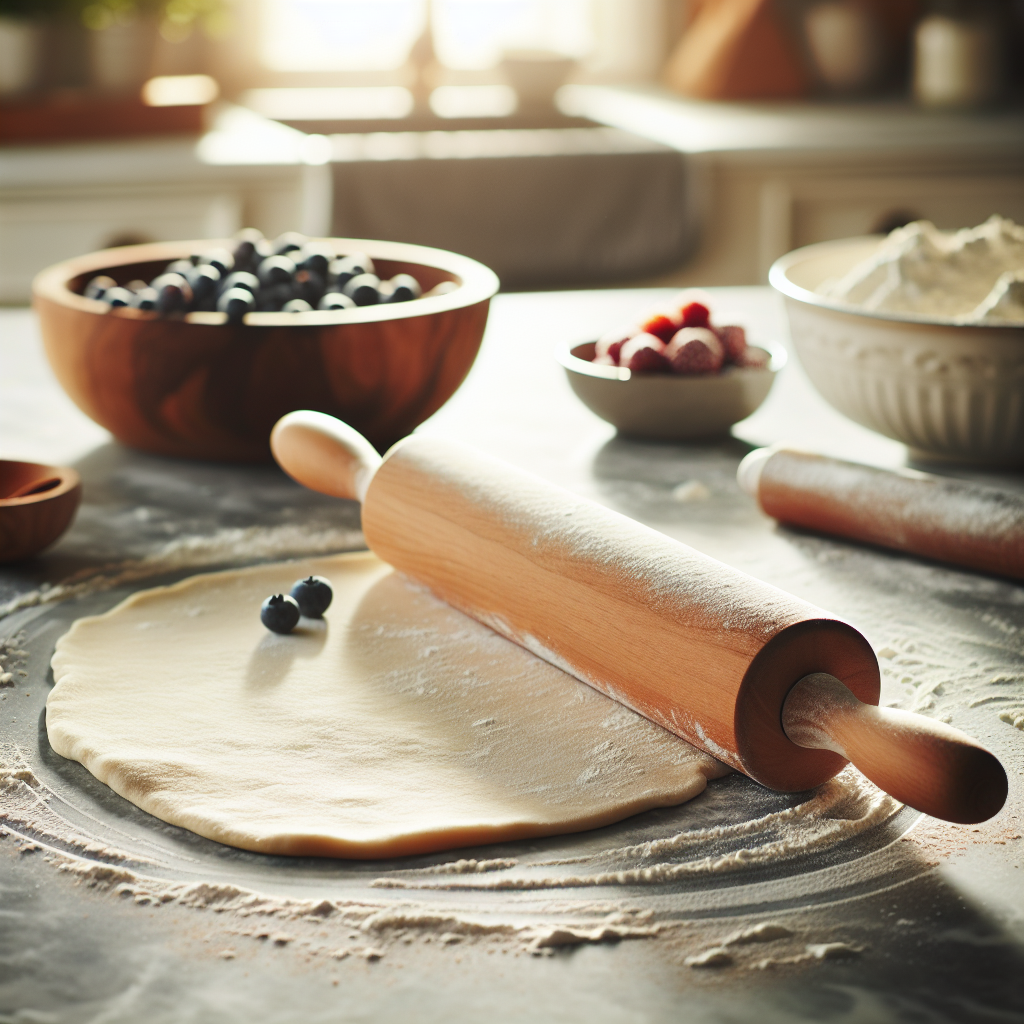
(734, 341)
(755, 358)
(644, 354)
(695, 350)
(661, 325)
(609, 344)
(695, 314)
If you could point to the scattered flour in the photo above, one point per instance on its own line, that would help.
(842, 808)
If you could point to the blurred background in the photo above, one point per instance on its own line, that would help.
(563, 142)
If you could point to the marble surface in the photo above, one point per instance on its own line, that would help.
(935, 912)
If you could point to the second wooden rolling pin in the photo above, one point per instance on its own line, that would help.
(767, 683)
(937, 517)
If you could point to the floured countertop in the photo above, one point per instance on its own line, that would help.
(834, 904)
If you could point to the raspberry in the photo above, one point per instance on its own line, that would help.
(755, 358)
(734, 341)
(695, 314)
(609, 345)
(661, 325)
(644, 354)
(695, 350)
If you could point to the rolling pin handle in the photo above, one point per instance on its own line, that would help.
(928, 765)
(324, 454)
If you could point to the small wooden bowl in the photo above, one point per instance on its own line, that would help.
(668, 406)
(200, 388)
(37, 504)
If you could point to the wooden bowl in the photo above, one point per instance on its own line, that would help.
(198, 387)
(37, 504)
(666, 406)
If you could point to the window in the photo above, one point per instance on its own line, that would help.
(376, 35)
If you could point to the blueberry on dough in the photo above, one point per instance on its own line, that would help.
(313, 596)
(280, 613)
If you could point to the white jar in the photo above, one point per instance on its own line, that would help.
(121, 55)
(957, 62)
(19, 55)
(845, 43)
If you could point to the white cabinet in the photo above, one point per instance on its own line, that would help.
(62, 201)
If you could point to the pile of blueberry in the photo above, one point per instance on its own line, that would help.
(310, 597)
(289, 275)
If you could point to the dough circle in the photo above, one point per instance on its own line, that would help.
(395, 726)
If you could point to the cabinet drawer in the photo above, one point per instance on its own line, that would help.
(38, 230)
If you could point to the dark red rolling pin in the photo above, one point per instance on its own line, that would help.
(936, 517)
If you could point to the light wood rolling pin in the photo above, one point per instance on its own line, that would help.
(943, 519)
(767, 683)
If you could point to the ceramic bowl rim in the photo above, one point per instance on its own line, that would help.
(778, 278)
(564, 353)
(477, 283)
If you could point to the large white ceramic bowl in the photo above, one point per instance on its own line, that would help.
(949, 391)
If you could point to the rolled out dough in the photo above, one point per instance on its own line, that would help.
(395, 726)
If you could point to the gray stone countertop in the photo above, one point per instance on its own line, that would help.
(938, 926)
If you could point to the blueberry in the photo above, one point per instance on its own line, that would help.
(271, 299)
(315, 260)
(244, 253)
(174, 294)
(335, 300)
(275, 270)
(241, 279)
(404, 288)
(362, 289)
(98, 285)
(204, 280)
(183, 267)
(296, 306)
(250, 250)
(219, 258)
(356, 263)
(145, 298)
(236, 302)
(280, 613)
(290, 241)
(115, 296)
(309, 286)
(313, 596)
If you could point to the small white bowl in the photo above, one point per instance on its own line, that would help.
(669, 406)
(949, 391)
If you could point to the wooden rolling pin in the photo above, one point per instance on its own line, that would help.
(767, 683)
(947, 520)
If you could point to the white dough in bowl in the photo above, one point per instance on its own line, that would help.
(394, 726)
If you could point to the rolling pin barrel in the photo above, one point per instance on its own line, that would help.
(702, 649)
(947, 520)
